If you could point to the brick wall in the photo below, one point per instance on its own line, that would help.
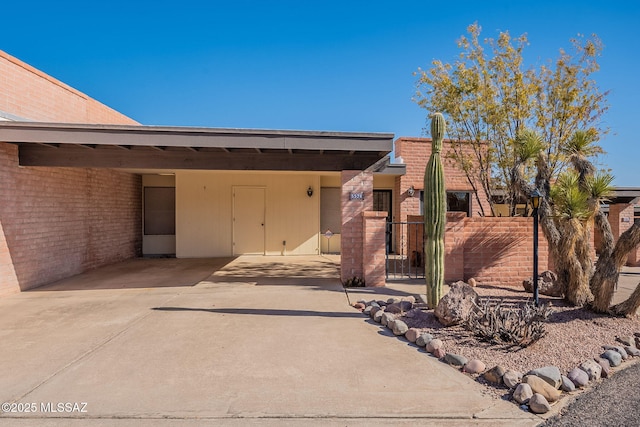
(499, 250)
(31, 94)
(492, 250)
(351, 236)
(56, 222)
(621, 217)
(415, 153)
(61, 221)
(374, 256)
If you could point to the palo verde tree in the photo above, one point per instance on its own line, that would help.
(515, 129)
(488, 96)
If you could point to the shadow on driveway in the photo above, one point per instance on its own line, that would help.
(262, 312)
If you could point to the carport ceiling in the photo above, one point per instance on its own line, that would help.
(160, 147)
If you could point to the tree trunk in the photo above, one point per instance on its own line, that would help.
(630, 306)
(605, 279)
(570, 265)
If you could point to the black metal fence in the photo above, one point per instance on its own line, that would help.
(405, 250)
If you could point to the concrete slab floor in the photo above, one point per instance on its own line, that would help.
(269, 350)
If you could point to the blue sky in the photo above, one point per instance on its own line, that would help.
(330, 65)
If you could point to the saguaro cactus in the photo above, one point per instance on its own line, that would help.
(435, 214)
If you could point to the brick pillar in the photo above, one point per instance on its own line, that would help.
(621, 219)
(354, 184)
(374, 250)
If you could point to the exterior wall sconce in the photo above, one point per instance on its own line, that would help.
(309, 191)
(411, 191)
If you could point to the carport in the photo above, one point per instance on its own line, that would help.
(212, 193)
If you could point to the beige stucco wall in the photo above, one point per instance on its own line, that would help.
(204, 206)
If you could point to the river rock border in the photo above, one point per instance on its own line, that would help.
(534, 391)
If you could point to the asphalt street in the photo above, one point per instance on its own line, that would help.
(613, 402)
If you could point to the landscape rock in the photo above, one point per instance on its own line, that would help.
(550, 374)
(374, 310)
(423, 339)
(412, 334)
(538, 385)
(455, 306)
(359, 306)
(547, 284)
(399, 327)
(579, 377)
(472, 282)
(568, 385)
(382, 303)
(627, 341)
(538, 404)
(399, 307)
(386, 318)
(617, 348)
(377, 316)
(393, 300)
(605, 365)
(632, 351)
(494, 375)
(367, 310)
(410, 299)
(613, 356)
(455, 360)
(475, 366)
(522, 393)
(439, 353)
(637, 342)
(434, 345)
(511, 378)
(592, 368)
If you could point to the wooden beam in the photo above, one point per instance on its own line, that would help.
(44, 144)
(74, 156)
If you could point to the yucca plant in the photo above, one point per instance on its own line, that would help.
(569, 211)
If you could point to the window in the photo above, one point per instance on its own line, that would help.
(159, 210)
(457, 201)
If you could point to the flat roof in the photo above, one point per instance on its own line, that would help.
(171, 147)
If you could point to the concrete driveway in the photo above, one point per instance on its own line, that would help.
(250, 341)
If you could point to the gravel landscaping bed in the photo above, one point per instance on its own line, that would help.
(573, 336)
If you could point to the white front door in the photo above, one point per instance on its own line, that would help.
(248, 220)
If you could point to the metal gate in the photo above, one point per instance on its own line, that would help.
(405, 250)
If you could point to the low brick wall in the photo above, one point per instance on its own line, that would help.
(492, 250)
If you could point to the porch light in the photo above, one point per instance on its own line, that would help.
(411, 191)
(535, 202)
(535, 198)
(309, 191)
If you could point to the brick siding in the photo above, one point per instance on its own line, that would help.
(351, 236)
(415, 153)
(492, 250)
(56, 222)
(374, 253)
(621, 217)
